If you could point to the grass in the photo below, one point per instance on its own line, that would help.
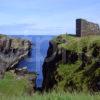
(54, 96)
(11, 85)
(13, 89)
(76, 43)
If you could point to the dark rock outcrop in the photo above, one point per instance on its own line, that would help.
(12, 50)
(55, 56)
(49, 67)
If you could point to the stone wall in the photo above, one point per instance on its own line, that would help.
(85, 28)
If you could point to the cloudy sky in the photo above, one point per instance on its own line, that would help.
(45, 16)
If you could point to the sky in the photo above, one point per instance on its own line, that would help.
(45, 17)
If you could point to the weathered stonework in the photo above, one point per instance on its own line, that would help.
(85, 28)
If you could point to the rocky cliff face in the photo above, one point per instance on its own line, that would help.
(54, 56)
(72, 63)
(49, 67)
(12, 50)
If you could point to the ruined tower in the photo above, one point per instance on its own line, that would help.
(85, 28)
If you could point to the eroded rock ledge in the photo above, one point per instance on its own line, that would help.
(12, 50)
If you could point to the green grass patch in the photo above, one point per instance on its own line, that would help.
(74, 43)
(54, 96)
(11, 85)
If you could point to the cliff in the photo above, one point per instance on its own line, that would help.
(72, 64)
(12, 50)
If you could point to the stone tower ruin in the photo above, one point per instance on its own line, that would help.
(85, 28)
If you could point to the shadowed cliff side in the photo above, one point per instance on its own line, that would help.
(12, 50)
(72, 63)
(54, 55)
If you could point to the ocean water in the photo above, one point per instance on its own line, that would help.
(38, 53)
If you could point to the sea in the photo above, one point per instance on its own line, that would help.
(34, 61)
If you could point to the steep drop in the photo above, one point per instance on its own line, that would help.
(74, 64)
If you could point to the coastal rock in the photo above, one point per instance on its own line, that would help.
(12, 50)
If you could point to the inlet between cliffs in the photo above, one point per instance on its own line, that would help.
(34, 61)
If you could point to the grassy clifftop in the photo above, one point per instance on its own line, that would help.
(76, 65)
(71, 42)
